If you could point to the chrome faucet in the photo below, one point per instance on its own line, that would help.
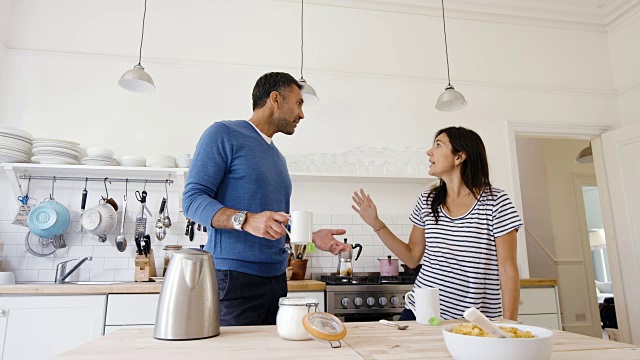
(61, 269)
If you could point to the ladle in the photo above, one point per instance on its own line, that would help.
(166, 220)
(121, 240)
(475, 316)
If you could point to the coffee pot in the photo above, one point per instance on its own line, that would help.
(189, 306)
(345, 260)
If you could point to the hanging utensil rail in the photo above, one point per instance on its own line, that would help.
(93, 179)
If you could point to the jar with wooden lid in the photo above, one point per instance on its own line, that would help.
(168, 252)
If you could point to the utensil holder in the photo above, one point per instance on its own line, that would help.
(299, 268)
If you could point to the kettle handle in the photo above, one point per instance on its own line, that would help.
(359, 247)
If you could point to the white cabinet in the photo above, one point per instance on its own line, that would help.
(539, 307)
(40, 327)
(312, 294)
(131, 311)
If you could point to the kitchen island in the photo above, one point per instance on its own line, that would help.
(368, 340)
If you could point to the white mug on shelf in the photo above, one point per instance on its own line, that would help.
(427, 304)
(301, 227)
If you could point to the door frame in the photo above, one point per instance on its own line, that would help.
(580, 132)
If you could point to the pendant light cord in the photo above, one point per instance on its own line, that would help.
(301, 39)
(144, 15)
(446, 48)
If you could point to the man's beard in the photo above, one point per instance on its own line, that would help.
(284, 126)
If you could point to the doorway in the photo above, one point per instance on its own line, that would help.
(556, 234)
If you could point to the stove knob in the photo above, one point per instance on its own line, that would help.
(394, 300)
(371, 301)
(382, 301)
(345, 301)
(357, 301)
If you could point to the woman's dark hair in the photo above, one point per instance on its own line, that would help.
(474, 170)
(269, 82)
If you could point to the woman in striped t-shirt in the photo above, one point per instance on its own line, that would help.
(464, 232)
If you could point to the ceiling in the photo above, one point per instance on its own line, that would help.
(590, 15)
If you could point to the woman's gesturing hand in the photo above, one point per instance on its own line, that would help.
(365, 207)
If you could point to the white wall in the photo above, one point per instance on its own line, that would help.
(625, 56)
(535, 207)
(377, 84)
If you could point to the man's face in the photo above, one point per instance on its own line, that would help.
(289, 112)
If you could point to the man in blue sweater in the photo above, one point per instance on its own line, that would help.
(239, 184)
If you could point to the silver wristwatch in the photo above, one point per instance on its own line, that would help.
(238, 220)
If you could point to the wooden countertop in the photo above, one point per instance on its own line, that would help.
(538, 282)
(121, 288)
(363, 341)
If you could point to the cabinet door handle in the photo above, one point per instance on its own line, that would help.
(2, 313)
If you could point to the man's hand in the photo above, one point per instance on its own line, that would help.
(267, 224)
(324, 240)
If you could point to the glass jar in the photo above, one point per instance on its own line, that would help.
(291, 310)
(168, 252)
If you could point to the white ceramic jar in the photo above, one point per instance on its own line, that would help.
(291, 310)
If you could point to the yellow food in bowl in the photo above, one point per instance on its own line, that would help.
(474, 330)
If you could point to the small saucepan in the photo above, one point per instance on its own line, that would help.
(388, 266)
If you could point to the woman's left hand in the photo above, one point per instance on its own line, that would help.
(365, 207)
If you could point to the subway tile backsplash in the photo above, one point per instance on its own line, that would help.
(109, 264)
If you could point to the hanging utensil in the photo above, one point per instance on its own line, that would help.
(26, 204)
(161, 231)
(166, 220)
(83, 203)
(121, 240)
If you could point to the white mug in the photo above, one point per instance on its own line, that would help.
(427, 302)
(7, 278)
(301, 227)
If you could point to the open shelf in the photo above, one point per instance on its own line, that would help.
(178, 175)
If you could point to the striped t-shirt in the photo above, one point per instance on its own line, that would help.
(460, 254)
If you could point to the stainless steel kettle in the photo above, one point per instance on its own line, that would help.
(189, 306)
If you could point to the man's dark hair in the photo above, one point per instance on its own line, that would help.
(269, 82)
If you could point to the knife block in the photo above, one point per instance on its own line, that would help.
(145, 267)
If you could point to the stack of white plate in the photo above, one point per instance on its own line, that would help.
(161, 161)
(15, 145)
(99, 161)
(55, 151)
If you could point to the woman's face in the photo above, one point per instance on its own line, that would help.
(442, 161)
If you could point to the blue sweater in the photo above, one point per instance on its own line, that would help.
(234, 167)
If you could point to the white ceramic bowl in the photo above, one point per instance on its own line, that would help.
(99, 152)
(466, 347)
(135, 161)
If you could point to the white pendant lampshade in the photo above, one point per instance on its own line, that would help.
(136, 79)
(585, 156)
(450, 100)
(308, 93)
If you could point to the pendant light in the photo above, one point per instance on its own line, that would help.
(585, 156)
(450, 99)
(308, 92)
(136, 79)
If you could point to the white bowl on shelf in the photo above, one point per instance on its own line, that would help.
(97, 151)
(134, 161)
(467, 347)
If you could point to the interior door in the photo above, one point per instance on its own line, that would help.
(620, 155)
